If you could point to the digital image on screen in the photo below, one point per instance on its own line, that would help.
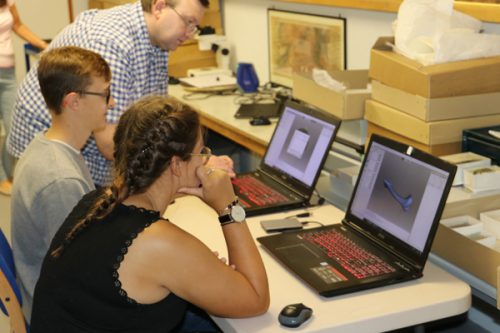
(300, 143)
(397, 197)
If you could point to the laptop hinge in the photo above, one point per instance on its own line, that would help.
(406, 264)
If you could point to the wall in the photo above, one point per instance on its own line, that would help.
(250, 39)
(54, 18)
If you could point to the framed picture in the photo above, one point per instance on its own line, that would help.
(300, 42)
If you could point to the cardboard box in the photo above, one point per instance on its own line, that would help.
(469, 77)
(464, 161)
(433, 109)
(471, 256)
(437, 150)
(479, 179)
(429, 133)
(349, 104)
(465, 225)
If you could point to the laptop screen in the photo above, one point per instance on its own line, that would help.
(299, 144)
(399, 194)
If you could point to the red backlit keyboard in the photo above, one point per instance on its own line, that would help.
(349, 255)
(253, 192)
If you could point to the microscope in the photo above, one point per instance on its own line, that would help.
(222, 49)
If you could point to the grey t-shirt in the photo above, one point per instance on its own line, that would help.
(49, 180)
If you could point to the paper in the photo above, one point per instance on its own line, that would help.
(322, 78)
(209, 81)
(431, 32)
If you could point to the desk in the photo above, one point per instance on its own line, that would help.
(217, 114)
(435, 296)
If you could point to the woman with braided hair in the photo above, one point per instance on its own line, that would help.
(116, 265)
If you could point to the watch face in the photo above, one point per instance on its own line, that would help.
(238, 213)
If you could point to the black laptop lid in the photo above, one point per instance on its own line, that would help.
(299, 146)
(399, 197)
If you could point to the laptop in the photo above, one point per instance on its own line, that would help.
(388, 229)
(256, 110)
(292, 163)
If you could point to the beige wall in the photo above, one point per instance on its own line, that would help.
(46, 18)
(245, 23)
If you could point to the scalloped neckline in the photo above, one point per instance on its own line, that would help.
(142, 209)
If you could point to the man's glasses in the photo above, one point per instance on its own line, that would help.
(191, 27)
(106, 95)
(205, 153)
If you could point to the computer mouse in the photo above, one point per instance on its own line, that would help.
(173, 80)
(294, 315)
(258, 121)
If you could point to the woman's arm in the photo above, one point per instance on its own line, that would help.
(22, 31)
(172, 260)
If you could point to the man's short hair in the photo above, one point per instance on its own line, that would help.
(146, 4)
(68, 69)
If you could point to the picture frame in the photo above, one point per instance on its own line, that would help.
(299, 42)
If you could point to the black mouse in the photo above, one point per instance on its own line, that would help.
(258, 121)
(294, 315)
(173, 80)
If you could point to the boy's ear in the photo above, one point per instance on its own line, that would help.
(70, 101)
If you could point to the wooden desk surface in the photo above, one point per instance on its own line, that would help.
(217, 114)
(437, 295)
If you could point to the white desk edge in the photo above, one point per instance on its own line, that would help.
(437, 295)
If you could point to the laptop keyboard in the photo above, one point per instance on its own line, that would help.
(256, 192)
(349, 255)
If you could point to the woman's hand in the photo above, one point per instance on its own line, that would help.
(223, 162)
(216, 189)
(223, 260)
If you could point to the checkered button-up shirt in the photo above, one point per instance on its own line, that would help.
(138, 68)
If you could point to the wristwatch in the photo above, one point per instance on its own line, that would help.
(234, 212)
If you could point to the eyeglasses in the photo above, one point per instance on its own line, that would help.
(106, 95)
(191, 27)
(205, 153)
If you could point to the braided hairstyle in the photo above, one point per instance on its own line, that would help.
(149, 134)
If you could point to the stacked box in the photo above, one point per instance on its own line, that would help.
(346, 105)
(431, 105)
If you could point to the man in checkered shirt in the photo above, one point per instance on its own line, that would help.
(134, 39)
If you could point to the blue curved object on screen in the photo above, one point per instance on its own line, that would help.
(404, 202)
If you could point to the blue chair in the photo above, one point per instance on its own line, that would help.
(6, 252)
(10, 295)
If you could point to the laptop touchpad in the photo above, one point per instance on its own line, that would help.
(298, 253)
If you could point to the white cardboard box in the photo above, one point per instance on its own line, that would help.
(482, 178)
(491, 220)
(464, 161)
(485, 238)
(346, 105)
(465, 224)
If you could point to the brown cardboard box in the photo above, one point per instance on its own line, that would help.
(477, 259)
(432, 109)
(429, 133)
(437, 150)
(349, 104)
(469, 77)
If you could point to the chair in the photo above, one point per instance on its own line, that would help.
(6, 252)
(10, 295)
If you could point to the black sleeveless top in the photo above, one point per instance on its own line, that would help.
(80, 291)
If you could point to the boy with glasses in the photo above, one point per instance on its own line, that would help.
(51, 176)
(135, 40)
